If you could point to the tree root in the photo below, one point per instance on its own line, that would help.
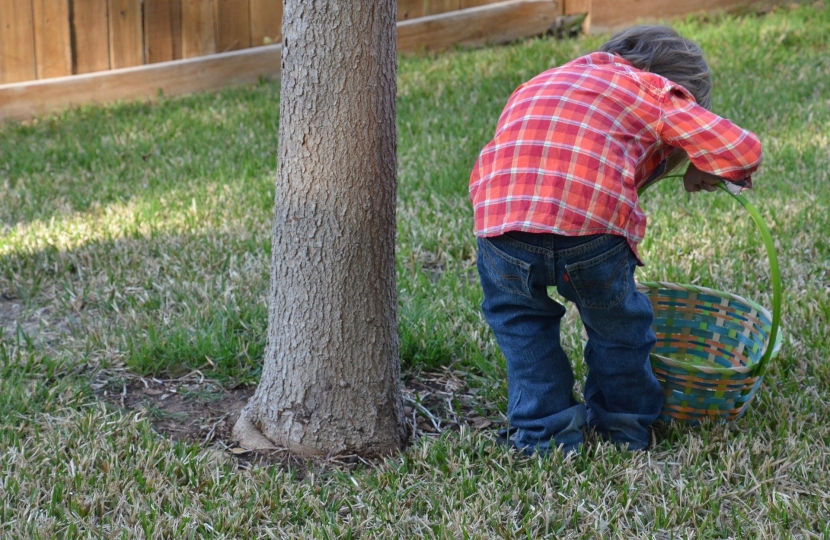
(249, 436)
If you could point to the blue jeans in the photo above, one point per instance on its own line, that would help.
(596, 273)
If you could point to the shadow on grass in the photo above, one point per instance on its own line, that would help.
(95, 156)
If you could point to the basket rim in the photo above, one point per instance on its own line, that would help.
(775, 272)
(691, 366)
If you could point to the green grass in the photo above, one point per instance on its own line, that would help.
(136, 237)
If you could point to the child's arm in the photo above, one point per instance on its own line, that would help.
(717, 148)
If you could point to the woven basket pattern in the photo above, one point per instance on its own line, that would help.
(708, 347)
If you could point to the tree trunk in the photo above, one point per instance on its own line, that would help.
(331, 378)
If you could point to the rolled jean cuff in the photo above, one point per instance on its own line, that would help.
(543, 435)
(622, 429)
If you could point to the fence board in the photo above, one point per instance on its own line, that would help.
(176, 27)
(198, 37)
(493, 23)
(158, 31)
(476, 3)
(612, 14)
(126, 39)
(27, 99)
(410, 9)
(433, 7)
(577, 7)
(233, 25)
(53, 49)
(90, 22)
(573, 7)
(17, 41)
(266, 22)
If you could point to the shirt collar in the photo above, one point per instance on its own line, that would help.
(600, 58)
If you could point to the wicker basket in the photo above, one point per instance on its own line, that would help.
(713, 347)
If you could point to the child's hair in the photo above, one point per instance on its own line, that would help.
(661, 50)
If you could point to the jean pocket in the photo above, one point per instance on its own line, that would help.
(508, 273)
(603, 281)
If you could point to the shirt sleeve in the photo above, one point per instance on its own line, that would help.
(714, 144)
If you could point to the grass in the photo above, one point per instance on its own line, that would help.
(135, 239)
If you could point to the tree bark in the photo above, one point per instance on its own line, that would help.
(331, 377)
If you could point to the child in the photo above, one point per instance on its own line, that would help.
(555, 204)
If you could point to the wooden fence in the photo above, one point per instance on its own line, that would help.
(52, 38)
(42, 39)
(61, 53)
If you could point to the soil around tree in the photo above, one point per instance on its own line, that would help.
(196, 409)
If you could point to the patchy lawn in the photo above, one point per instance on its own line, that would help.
(134, 252)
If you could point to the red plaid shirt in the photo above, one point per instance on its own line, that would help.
(574, 143)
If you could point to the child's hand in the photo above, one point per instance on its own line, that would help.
(695, 180)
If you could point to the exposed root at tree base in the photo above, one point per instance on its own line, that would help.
(249, 436)
(195, 409)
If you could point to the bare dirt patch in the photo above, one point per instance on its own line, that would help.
(40, 325)
(191, 408)
(196, 409)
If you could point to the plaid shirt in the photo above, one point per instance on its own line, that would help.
(574, 143)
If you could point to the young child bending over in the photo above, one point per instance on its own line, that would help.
(555, 203)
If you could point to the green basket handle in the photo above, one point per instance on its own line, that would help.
(775, 272)
(775, 275)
